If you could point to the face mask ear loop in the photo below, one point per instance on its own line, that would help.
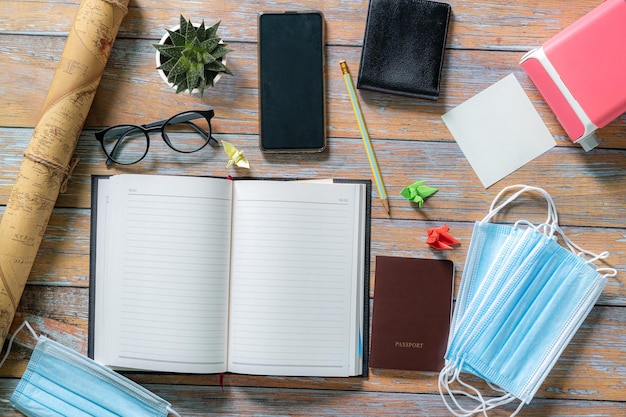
(447, 376)
(522, 187)
(488, 405)
(450, 374)
(526, 223)
(519, 408)
(577, 250)
(495, 387)
(170, 410)
(543, 228)
(608, 272)
(10, 345)
(552, 218)
(493, 209)
(500, 401)
(19, 329)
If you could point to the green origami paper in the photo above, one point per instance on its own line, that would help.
(417, 192)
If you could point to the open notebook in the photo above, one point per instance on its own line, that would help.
(208, 275)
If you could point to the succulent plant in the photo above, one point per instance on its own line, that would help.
(192, 56)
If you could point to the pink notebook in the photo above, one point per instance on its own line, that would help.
(581, 72)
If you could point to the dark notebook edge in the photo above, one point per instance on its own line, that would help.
(93, 223)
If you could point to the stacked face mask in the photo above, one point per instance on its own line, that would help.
(521, 299)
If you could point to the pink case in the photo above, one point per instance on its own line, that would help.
(581, 72)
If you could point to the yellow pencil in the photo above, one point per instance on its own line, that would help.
(380, 185)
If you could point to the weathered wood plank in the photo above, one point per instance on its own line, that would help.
(485, 42)
(586, 356)
(245, 401)
(241, 401)
(63, 258)
(479, 24)
(30, 64)
(263, 401)
(591, 195)
(591, 368)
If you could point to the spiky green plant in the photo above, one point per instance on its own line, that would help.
(192, 56)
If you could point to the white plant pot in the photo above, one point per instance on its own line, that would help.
(162, 73)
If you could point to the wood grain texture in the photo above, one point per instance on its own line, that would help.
(248, 401)
(481, 24)
(485, 42)
(466, 72)
(591, 368)
(63, 258)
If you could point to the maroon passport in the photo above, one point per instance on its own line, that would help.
(411, 313)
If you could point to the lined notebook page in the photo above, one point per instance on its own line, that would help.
(295, 261)
(167, 274)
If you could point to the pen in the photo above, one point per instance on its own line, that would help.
(380, 185)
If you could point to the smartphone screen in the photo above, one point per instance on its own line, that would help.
(292, 107)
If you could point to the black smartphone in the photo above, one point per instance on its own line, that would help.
(292, 94)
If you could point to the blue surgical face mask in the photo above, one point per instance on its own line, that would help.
(527, 304)
(510, 256)
(525, 330)
(60, 382)
(488, 239)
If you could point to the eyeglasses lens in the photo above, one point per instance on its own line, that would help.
(188, 132)
(125, 144)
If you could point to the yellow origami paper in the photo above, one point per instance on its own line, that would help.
(235, 155)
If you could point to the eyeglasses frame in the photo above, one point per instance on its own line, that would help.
(182, 117)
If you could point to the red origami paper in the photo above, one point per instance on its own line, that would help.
(439, 238)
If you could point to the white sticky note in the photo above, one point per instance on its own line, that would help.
(499, 130)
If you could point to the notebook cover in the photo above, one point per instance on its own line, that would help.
(403, 47)
(411, 313)
(365, 336)
(580, 71)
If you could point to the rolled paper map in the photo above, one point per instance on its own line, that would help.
(46, 165)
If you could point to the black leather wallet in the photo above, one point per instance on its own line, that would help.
(403, 47)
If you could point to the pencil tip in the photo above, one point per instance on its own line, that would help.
(387, 208)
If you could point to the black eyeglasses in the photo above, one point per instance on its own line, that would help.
(185, 132)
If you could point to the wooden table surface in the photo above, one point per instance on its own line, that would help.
(485, 42)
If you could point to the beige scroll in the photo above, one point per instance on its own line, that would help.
(45, 168)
